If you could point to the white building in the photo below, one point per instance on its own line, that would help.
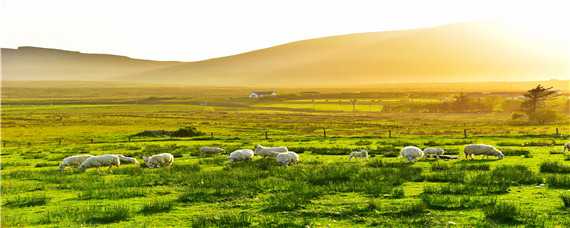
(260, 94)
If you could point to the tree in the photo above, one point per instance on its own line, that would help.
(535, 99)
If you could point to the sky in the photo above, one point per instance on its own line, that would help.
(197, 30)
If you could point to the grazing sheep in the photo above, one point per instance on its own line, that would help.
(269, 151)
(73, 161)
(358, 154)
(99, 161)
(241, 155)
(482, 149)
(211, 150)
(411, 153)
(433, 152)
(286, 158)
(159, 160)
(566, 147)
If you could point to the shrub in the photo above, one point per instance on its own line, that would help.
(502, 212)
(187, 132)
(475, 167)
(105, 214)
(554, 167)
(231, 220)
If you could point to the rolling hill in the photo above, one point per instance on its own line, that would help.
(454, 53)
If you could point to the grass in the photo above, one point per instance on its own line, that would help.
(554, 167)
(324, 189)
(502, 212)
(565, 197)
(27, 201)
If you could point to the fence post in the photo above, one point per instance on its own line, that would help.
(557, 133)
(129, 138)
(59, 141)
(211, 134)
(464, 133)
(389, 133)
(266, 135)
(3, 143)
(324, 133)
(91, 141)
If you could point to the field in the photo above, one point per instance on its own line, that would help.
(529, 187)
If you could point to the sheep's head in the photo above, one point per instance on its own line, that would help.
(500, 155)
(257, 146)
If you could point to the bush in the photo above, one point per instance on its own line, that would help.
(502, 212)
(187, 132)
(554, 167)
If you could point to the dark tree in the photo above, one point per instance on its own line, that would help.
(535, 100)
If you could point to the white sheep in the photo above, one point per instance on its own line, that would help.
(482, 149)
(433, 152)
(287, 158)
(211, 150)
(411, 153)
(159, 160)
(566, 147)
(269, 151)
(241, 155)
(73, 161)
(358, 154)
(109, 160)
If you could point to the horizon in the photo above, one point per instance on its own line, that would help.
(25, 23)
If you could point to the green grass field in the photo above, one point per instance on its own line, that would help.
(529, 187)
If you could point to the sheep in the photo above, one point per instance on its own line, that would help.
(566, 147)
(482, 149)
(411, 153)
(358, 154)
(433, 151)
(211, 150)
(269, 151)
(73, 161)
(101, 160)
(286, 158)
(159, 160)
(241, 155)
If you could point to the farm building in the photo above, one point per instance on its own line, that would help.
(260, 94)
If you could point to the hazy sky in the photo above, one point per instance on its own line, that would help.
(195, 30)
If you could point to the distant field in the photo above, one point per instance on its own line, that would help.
(324, 189)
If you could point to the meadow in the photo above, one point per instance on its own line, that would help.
(529, 187)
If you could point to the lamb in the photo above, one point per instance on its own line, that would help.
(159, 160)
(269, 151)
(411, 153)
(286, 158)
(73, 161)
(358, 154)
(211, 150)
(99, 161)
(482, 149)
(241, 155)
(566, 147)
(433, 151)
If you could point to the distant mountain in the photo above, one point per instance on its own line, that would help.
(453, 53)
(31, 63)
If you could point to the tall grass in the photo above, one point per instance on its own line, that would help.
(226, 220)
(27, 201)
(554, 167)
(456, 202)
(157, 206)
(502, 212)
(558, 181)
(565, 197)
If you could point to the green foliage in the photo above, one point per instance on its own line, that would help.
(225, 220)
(157, 206)
(451, 202)
(502, 212)
(558, 181)
(565, 197)
(27, 201)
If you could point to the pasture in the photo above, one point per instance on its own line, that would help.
(530, 186)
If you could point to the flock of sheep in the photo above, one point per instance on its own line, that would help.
(281, 155)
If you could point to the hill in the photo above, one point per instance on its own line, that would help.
(472, 52)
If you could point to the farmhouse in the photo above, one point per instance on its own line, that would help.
(260, 94)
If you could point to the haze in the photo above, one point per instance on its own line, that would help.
(197, 30)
